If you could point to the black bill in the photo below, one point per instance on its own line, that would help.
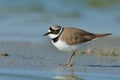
(46, 34)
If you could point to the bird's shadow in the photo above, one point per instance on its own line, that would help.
(112, 66)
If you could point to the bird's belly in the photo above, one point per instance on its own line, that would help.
(63, 46)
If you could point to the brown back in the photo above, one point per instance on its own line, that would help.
(76, 36)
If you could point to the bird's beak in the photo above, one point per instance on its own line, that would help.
(46, 34)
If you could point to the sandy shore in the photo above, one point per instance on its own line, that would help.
(103, 57)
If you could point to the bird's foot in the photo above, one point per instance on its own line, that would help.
(67, 64)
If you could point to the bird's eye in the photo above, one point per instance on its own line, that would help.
(54, 31)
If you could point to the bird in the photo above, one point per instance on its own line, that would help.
(70, 39)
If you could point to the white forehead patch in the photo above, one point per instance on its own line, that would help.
(49, 31)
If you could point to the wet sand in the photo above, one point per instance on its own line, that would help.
(102, 57)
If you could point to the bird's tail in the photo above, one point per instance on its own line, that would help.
(103, 35)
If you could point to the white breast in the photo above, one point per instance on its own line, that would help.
(63, 46)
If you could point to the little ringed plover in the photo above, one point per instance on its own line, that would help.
(70, 39)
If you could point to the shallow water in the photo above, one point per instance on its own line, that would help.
(48, 75)
(29, 20)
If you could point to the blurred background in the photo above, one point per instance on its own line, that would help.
(28, 20)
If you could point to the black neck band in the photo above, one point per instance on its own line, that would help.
(57, 38)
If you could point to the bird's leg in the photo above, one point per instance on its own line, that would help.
(70, 61)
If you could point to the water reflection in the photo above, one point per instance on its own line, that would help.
(69, 76)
